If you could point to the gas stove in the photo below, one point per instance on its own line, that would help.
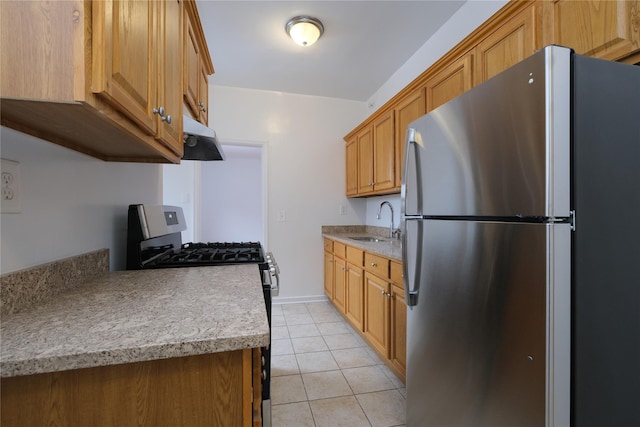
(202, 254)
(154, 240)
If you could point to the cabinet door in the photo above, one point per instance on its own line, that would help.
(352, 167)
(376, 317)
(608, 29)
(452, 81)
(328, 274)
(398, 347)
(191, 67)
(383, 158)
(508, 45)
(123, 38)
(408, 110)
(355, 295)
(365, 161)
(339, 283)
(169, 89)
(203, 96)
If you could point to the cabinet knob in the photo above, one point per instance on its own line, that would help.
(383, 292)
(159, 110)
(373, 264)
(166, 118)
(202, 107)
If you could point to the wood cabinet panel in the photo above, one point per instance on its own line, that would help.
(365, 161)
(376, 318)
(508, 45)
(208, 389)
(169, 93)
(355, 295)
(339, 283)
(608, 29)
(376, 264)
(355, 256)
(396, 274)
(203, 97)
(192, 67)
(452, 81)
(398, 346)
(124, 48)
(340, 249)
(328, 274)
(384, 154)
(328, 245)
(352, 168)
(408, 110)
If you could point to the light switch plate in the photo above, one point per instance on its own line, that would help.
(11, 196)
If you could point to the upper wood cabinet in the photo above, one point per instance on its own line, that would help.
(608, 29)
(125, 35)
(408, 109)
(198, 66)
(374, 147)
(352, 167)
(509, 44)
(90, 75)
(453, 80)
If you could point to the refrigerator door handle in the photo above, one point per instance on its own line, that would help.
(411, 290)
(413, 141)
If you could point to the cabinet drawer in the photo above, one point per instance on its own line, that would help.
(355, 255)
(396, 273)
(339, 249)
(377, 265)
(328, 245)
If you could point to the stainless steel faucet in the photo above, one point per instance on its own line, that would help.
(391, 229)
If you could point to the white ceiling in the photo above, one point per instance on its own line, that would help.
(364, 43)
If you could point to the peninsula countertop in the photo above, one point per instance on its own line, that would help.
(133, 316)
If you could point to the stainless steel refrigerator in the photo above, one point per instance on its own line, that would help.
(521, 213)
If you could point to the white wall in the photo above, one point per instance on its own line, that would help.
(71, 203)
(180, 187)
(232, 197)
(305, 171)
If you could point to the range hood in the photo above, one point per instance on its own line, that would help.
(200, 142)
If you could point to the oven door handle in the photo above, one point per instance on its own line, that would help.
(276, 291)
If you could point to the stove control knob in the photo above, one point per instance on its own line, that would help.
(264, 375)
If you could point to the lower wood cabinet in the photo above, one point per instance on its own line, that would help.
(354, 310)
(367, 290)
(218, 389)
(376, 317)
(339, 283)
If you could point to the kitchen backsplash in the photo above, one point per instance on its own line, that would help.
(24, 288)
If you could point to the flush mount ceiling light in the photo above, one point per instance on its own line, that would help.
(304, 30)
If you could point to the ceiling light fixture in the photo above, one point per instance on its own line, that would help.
(304, 30)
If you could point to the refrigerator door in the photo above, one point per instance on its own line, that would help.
(488, 341)
(499, 150)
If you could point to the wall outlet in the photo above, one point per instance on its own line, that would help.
(10, 202)
(342, 209)
(282, 215)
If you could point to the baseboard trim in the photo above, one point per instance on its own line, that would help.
(299, 300)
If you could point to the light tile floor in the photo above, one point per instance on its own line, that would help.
(324, 374)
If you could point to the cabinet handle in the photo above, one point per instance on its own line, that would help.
(373, 264)
(160, 111)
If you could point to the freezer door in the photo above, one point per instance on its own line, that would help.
(488, 341)
(501, 149)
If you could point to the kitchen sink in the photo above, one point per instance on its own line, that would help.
(368, 239)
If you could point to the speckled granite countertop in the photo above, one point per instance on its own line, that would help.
(132, 316)
(390, 248)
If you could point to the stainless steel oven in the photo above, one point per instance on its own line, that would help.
(154, 240)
